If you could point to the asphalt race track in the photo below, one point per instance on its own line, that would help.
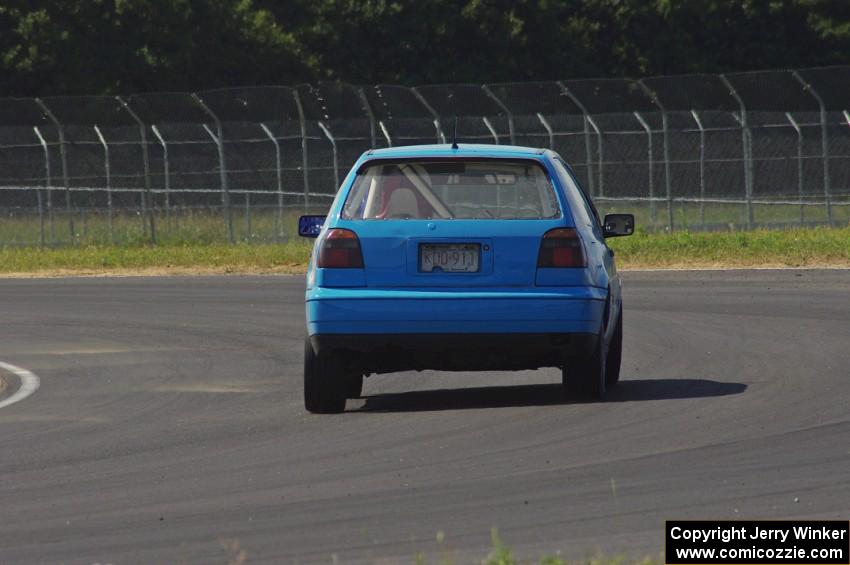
(169, 428)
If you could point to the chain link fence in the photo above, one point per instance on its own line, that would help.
(730, 151)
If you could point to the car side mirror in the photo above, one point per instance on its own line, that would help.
(310, 226)
(616, 225)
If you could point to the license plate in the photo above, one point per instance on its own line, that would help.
(449, 257)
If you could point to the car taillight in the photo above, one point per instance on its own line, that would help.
(561, 248)
(340, 250)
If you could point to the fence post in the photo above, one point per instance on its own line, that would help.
(107, 171)
(665, 126)
(746, 153)
(747, 156)
(248, 227)
(218, 139)
(701, 167)
(505, 109)
(589, 152)
(651, 161)
(147, 196)
(746, 139)
(166, 171)
(365, 101)
(668, 181)
(48, 182)
(846, 117)
(225, 190)
(827, 188)
(40, 199)
(600, 153)
(386, 133)
(491, 129)
(800, 181)
(279, 216)
(441, 138)
(304, 160)
(330, 137)
(64, 161)
(545, 123)
(586, 121)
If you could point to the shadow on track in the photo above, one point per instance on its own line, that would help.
(542, 395)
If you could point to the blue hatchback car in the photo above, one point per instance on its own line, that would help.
(477, 257)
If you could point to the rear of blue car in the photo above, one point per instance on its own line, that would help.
(438, 258)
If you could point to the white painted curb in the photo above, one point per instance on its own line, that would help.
(29, 384)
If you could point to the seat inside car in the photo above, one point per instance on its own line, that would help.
(402, 204)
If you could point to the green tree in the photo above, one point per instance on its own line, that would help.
(104, 46)
(415, 42)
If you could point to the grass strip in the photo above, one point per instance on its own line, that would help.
(157, 259)
(813, 247)
(799, 247)
(501, 554)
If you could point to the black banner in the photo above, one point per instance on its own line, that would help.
(745, 542)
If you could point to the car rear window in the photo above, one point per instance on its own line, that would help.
(459, 189)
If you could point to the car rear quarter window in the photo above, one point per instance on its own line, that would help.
(459, 189)
(582, 208)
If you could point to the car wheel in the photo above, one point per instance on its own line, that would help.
(354, 386)
(584, 377)
(615, 354)
(324, 385)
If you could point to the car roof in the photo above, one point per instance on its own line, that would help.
(463, 150)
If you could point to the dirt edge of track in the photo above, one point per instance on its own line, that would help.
(302, 269)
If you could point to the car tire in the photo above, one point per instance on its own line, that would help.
(324, 382)
(615, 354)
(354, 386)
(584, 377)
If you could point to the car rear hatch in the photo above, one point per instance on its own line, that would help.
(433, 253)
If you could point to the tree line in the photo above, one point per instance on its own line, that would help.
(121, 46)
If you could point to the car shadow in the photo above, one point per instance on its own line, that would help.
(542, 395)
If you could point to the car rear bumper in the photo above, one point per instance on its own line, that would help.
(386, 353)
(570, 310)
